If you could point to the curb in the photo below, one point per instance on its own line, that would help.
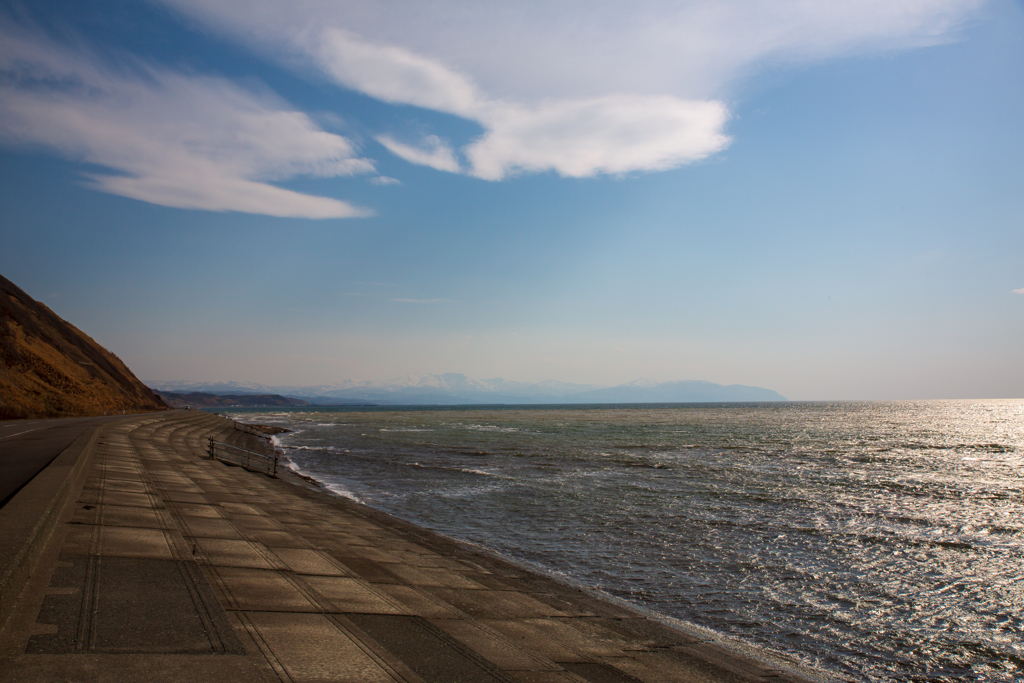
(28, 519)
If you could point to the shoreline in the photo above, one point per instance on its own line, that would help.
(730, 644)
(279, 579)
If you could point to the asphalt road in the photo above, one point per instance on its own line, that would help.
(27, 446)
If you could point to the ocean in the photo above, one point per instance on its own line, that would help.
(880, 541)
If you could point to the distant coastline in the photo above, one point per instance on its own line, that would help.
(457, 389)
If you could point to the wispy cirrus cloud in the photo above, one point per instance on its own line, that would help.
(432, 152)
(573, 87)
(168, 138)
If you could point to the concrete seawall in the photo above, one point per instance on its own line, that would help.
(150, 563)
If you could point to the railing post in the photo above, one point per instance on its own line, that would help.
(243, 457)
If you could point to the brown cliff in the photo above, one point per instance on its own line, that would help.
(50, 368)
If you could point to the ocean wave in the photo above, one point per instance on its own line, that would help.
(864, 536)
(332, 486)
(489, 428)
(330, 449)
(464, 470)
(344, 492)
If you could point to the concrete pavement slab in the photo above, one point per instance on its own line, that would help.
(364, 569)
(184, 497)
(277, 539)
(308, 561)
(119, 541)
(168, 555)
(419, 602)
(547, 677)
(225, 552)
(254, 522)
(309, 648)
(126, 485)
(138, 605)
(128, 668)
(525, 635)
(196, 510)
(261, 590)
(427, 576)
(114, 496)
(241, 509)
(120, 515)
(493, 646)
(495, 604)
(428, 651)
(209, 527)
(347, 595)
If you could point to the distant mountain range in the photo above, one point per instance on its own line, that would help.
(457, 389)
(199, 399)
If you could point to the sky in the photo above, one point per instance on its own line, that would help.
(822, 198)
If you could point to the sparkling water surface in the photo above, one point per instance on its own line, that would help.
(879, 541)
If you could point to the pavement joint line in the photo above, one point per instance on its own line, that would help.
(264, 648)
(415, 606)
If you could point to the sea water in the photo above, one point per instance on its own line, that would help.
(879, 541)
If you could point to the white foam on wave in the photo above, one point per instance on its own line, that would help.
(331, 449)
(483, 428)
(340, 490)
(333, 487)
(466, 470)
(493, 428)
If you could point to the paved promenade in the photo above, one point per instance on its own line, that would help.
(165, 566)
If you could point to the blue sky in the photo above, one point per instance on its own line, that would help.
(826, 199)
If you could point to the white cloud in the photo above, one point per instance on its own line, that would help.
(532, 50)
(1019, 291)
(432, 152)
(385, 180)
(573, 137)
(614, 134)
(393, 74)
(577, 87)
(576, 138)
(170, 139)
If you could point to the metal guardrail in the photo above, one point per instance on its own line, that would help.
(250, 460)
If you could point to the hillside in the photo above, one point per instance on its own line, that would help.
(198, 399)
(50, 368)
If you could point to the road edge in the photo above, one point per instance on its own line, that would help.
(28, 519)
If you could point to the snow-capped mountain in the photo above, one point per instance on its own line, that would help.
(456, 389)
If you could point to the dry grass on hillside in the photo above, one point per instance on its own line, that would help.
(49, 368)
